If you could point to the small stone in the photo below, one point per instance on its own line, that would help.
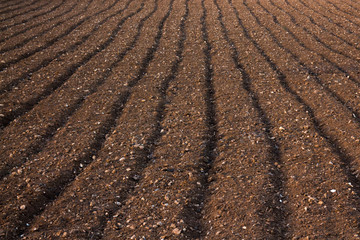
(320, 202)
(333, 190)
(22, 207)
(176, 231)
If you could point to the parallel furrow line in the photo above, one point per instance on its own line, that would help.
(37, 146)
(327, 18)
(324, 58)
(50, 192)
(333, 94)
(8, 117)
(71, 8)
(19, 14)
(149, 146)
(343, 11)
(312, 20)
(346, 159)
(21, 44)
(191, 212)
(13, 9)
(330, 17)
(44, 63)
(308, 31)
(273, 219)
(121, 102)
(54, 40)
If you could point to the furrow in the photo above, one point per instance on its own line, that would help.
(338, 138)
(348, 13)
(42, 22)
(12, 5)
(25, 21)
(323, 38)
(24, 54)
(344, 95)
(339, 20)
(95, 229)
(198, 194)
(301, 143)
(91, 129)
(20, 74)
(271, 216)
(179, 119)
(73, 101)
(9, 3)
(323, 23)
(336, 11)
(337, 62)
(13, 110)
(28, 4)
(241, 167)
(19, 16)
(162, 200)
(143, 109)
(315, 43)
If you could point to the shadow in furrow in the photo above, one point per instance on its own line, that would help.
(19, 14)
(192, 211)
(16, 8)
(335, 65)
(326, 17)
(39, 145)
(312, 20)
(273, 216)
(321, 42)
(315, 75)
(71, 8)
(54, 40)
(345, 159)
(31, 38)
(339, 14)
(53, 189)
(143, 157)
(44, 63)
(341, 10)
(59, 81)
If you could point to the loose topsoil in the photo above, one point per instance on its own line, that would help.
(180, 119)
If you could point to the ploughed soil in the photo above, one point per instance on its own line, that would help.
(180, 119)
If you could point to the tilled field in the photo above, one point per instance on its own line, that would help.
(180, 119)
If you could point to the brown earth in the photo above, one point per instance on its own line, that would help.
(180, 119)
